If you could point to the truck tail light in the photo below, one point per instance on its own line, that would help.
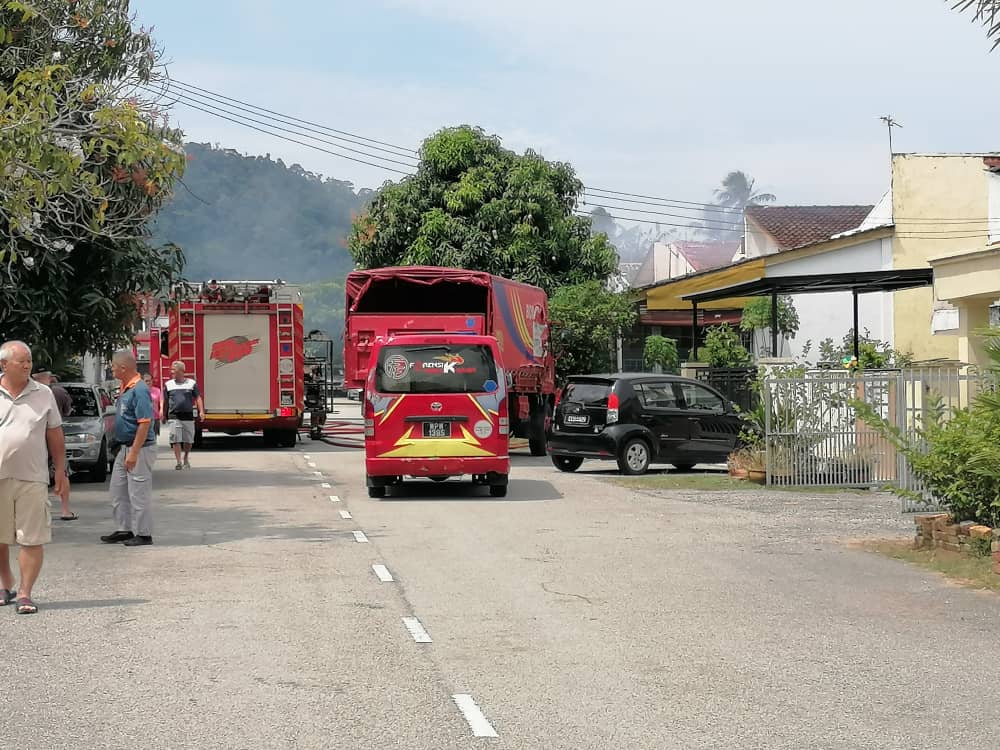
(612, 409)
(286, 411)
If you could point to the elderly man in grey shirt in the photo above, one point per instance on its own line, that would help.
(29, 433)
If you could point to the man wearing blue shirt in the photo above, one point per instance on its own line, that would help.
(132, 475)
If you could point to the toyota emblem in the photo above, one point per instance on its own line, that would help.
(436, 406)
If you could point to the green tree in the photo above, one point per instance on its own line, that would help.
(587, 319)
(474, 204)
(757, 316)
(723, 348)
(661, 352)
(986, 12)
(85, 163)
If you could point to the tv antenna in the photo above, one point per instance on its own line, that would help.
(890, 123)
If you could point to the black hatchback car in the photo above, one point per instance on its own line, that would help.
(639, 419)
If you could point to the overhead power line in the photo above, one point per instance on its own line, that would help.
(258, 118)
(214, 109)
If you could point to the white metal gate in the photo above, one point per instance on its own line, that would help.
(815, 437)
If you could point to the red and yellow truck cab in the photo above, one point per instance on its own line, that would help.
(435, 406)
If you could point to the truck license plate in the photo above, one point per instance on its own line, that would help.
(437, 429)
(577, 419)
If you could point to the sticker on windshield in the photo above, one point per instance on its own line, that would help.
(483, 429)
(490, 386)
(396, 366)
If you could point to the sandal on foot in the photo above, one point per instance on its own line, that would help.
(70, 517)
(25, 606)
(7, 596)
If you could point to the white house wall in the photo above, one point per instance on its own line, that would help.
(993, 184)
(830, 315)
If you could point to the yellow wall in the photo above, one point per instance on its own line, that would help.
(923, 188)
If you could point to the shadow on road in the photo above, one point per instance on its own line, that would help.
(519, 490)
(95, 603)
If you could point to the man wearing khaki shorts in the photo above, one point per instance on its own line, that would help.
(30, 432)
(181, 401)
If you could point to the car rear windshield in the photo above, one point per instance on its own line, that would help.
(588, 394)
(84, 401)
(440, 368)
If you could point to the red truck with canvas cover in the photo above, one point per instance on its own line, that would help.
(243, 342)
(409, 300)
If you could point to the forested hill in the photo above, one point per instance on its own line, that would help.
(251, 217)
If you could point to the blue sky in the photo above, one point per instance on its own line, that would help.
(641, 96)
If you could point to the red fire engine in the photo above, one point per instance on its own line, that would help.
(242, 341)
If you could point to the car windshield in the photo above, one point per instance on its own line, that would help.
(84, 401)
(588, 394)
(441, 368)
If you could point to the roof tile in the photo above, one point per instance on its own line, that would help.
(795, 226)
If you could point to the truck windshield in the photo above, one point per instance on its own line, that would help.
(442, 368)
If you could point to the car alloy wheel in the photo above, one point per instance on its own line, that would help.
(634, 457)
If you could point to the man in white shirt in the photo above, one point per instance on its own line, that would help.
(180, 397)
(30, 432)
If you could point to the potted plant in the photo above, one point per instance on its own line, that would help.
(739, 462)
(756, 464)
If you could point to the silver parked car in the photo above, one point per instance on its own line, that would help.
(89, 429)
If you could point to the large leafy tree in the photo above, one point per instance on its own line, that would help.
(474, 204)
(986, 12)
(587, 319)
(85, 159)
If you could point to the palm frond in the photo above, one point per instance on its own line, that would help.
(986, 12)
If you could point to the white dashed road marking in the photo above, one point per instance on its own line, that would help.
(325, 485)
(311, 465)
(479, 724)
(383, 573)
(307, 457)
(334, 499)
(359, 536)
(345, 514)
(318, 473)
(416, 630)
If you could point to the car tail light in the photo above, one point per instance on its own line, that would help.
(612, 408)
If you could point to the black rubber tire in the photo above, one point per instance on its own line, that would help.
(498, 490)
(567, 463)
(683, 467)
(199, 440)
(287, 438)
(99, 473)
(634, 457)
(376, 492)
(536, 431)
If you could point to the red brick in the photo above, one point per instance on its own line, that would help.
(980, 532)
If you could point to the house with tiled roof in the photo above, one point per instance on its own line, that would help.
(942, 212)
(671, 260)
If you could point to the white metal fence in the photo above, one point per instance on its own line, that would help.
(815, 437)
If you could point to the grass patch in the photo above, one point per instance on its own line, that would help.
(716, 482)
(963, 569)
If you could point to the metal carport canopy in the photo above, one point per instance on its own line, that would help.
(860, 282)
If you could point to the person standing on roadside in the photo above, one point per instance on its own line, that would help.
(64, 401)
(157, 396)
(132, 475)
(182, 398)
(30, 432)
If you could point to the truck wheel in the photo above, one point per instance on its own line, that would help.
(498, 490)
(198, 439)
(536, 431)
(378, 491)
(287, 438)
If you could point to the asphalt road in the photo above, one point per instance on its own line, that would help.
(574, 614)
